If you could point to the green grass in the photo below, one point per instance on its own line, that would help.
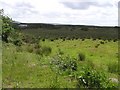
(24, 69)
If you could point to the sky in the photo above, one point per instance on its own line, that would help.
(76, 12)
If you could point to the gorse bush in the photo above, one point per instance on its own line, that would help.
(64, 64)
(30, 48)
(30, 39)
(113, 67)
(51, 39)
(114, 40)
(60, 52)
(81, 57)
(43, 39)
(91, 78)
(96, 46)
(46, 50)
(42, 50)
(101, 42)
(63, 39)
(17, 42)
(83, 39)
(38, 51)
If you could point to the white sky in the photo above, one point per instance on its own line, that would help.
(87, 12)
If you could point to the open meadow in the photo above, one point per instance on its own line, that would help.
(61, 63)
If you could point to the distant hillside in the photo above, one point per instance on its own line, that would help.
(68, 31)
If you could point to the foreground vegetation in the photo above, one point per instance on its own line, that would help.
(30, 62)
(61, 64)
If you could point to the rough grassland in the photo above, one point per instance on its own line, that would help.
(24, 69)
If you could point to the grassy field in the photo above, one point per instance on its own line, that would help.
(24, 68)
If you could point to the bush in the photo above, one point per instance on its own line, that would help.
(37, 46)
(91, 78)
(64, 64)
(60, 52)
(72, 65)
(7, 28)
(46, 50)
(17, 42)
(68, 38)
(43, 39)
(38, 51)
(56, 38)
(109, 40)
(101, 42)
(63, 39)
(115, 40)
(99, 38)
(30, 48)
(83, 39)
(30, 39)
(81, 57)
(76, 38)
(94, 39)
(113, 67)
(51, 39)
(97, 45)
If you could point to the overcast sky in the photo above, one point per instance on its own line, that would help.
(87, 12)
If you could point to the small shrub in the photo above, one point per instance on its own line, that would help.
(101, 42)
(17, 42)
(36, 46)
(114, 40)
(97, 45)
(99, 38)
(72, 65)
(30, 48)
(56, 38)
(83, 39)
(46, 50)
(67, 38)
(51, 39)
(29, 39)
(91, 55)
(60, 52)
(75, 45)
(33, 48)
(38, 51)
(109, 40)
(73, 37)
(93, 39)
(81, 57)
(64, 64)
(76, 38)
(113, 67)
(105, 41)
(63, 39)
(91, 78)
(43, 39)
